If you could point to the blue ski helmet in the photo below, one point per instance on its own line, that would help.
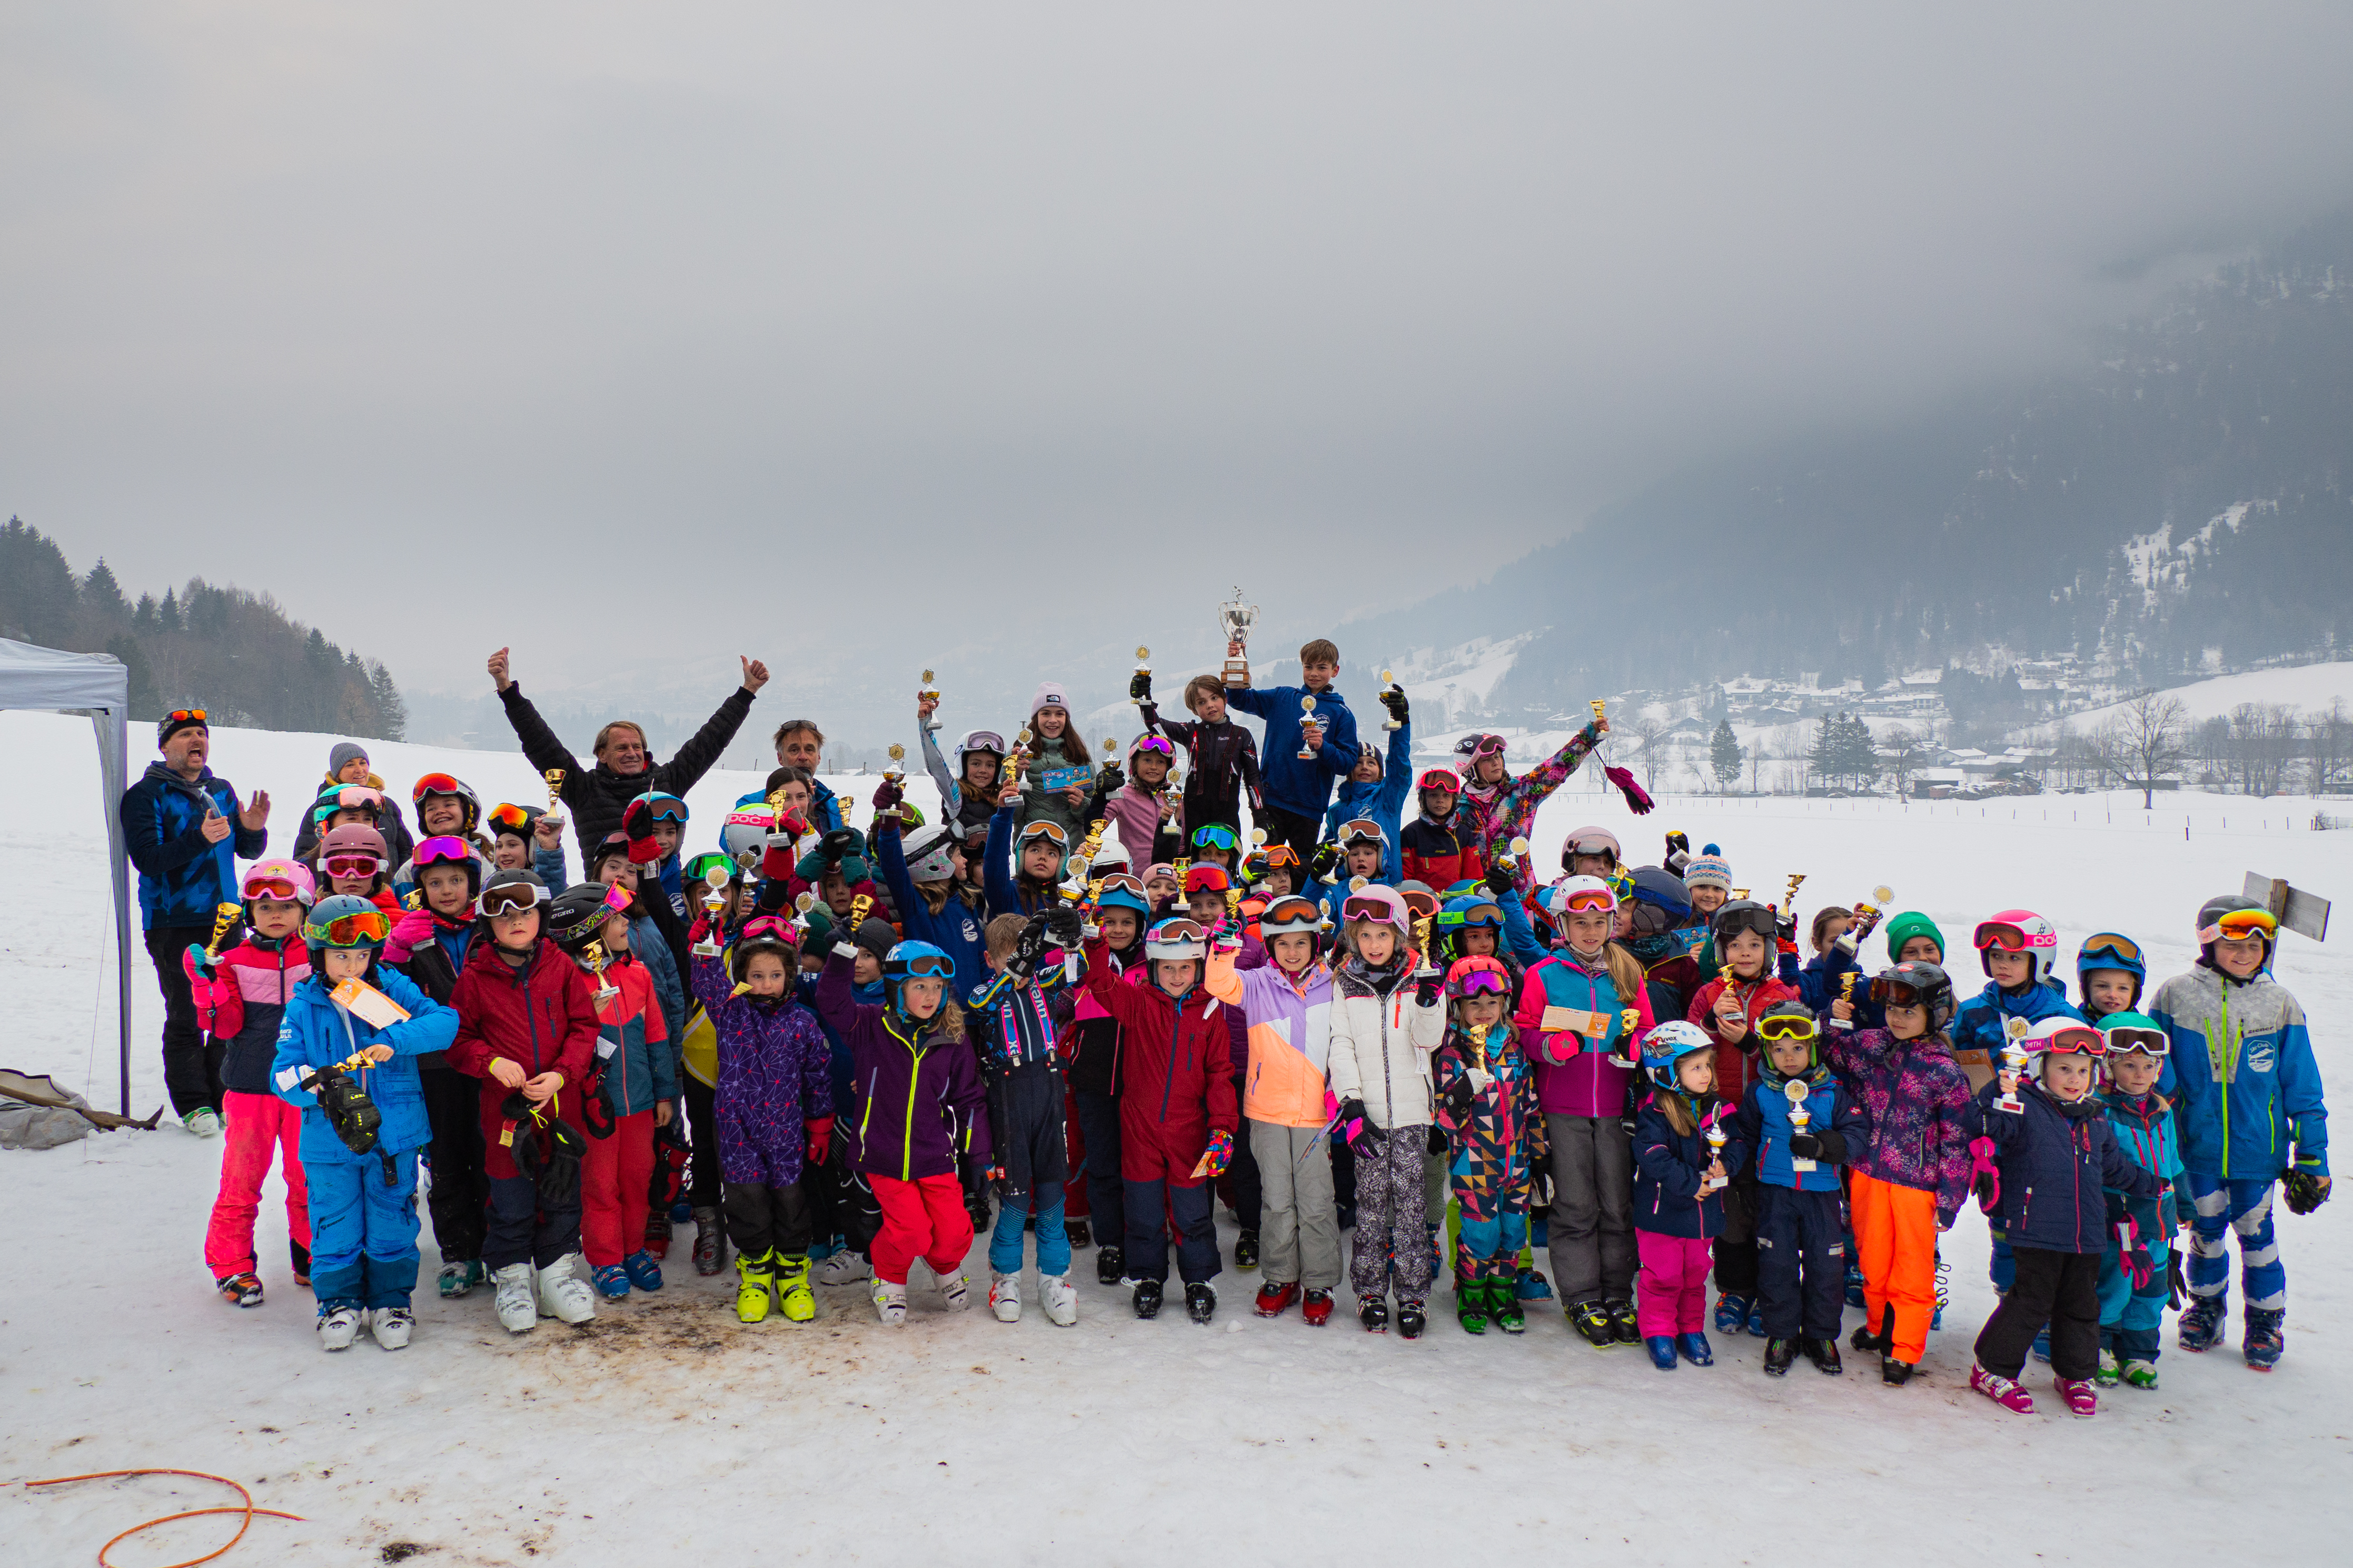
(2108, 950)
(1667, 1044)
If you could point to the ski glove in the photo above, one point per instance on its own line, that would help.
(1139, 687)
(1320, 864)
(638, 825)
(1983, 1176)
(777, 861)
(1499, 880)
(1459, 1096)
(887, 794)
(1353, 1124)
(1032, 941)
(1637, 802)
(1065, 926)
(1217, 1156)
(1394, 700)
(2305, 1190)
(411, 931)
(1827, 1146)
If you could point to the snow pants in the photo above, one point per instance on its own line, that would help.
(1151, 1207)
(1004, 1246)
(1735, 1250)
(764, 1219)
(1896, 1241)
(923, 1218)
(192, 1064)
(260, 1127)
(1299, 1231)
(615, 1176)
(1077, 1204)
(704, 1180)
(362, 1232)
(1672, 1297)
(1392, 1243)
(458, 1196)
(2131, 1315)
(521, 1232)
(1098, 1116)
(2061, 1289)
(1589, 1233)
(2222, 1205)
(1800, 1262)
(1241, 1188)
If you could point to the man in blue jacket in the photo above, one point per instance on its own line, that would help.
(186, 831)
(1298, 788)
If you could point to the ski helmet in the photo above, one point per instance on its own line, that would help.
(1122, 891)
(986, 742)
(2213, 924)
(1471, 911)
(2018, 931)
(345, 922)
(1582, 895)
(347, 797)
(1589, 841)
(1292, 915)
(1743, 915)
(916, 961)
(287, 880)
(576, 916)
(1662, 902)
(2108, 950)
(1178, 937)
(762, 933)
(348, 844)
(927, 850)
(445, 850)
(1205, 879)
(1379, 905)
(2136, 1033)
(1360, 830)
(1907, 926)
(1665, 1045)
(745, 832)
(1109, 856)
(1917, 980)
(1478, 977)
(1787, 1020)
(506, 892)
(449, 784)
(509, 820)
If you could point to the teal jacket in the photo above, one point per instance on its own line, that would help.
(2247, 1090)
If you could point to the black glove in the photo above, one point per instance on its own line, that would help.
(1320, 864)
(1428, 989)
(2305, 1190)
(1499, 880)
(1438, 1144)
(1065, 926)
(1032, 941)
(1785, 926)
(1139, 688)
(1626, 1124)
(1825, 1146)
(841, 841)
(1352, 1110)
(1111, 778)
(1984, 1188)
(1459, 1096)
(1394, 700)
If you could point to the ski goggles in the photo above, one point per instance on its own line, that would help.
(276, 879)
(2240, 924)
(1049, 830)
(1476, 917)
(2136, 1039)
(351, 865)
(513, 899)
(351, 931)
(987, 740)
(1586, 901)
(1153, 745)
(769, 928)
(1787, 1026)
(1122, 882)
(2004, 937)
(350, 798)
(928, 966)
(1358, 907)
(698, 869)
(1479, 746)
(1480, 983)
(1896, 993)
(435, 783)
(1444, 780)
(2076, 1040)
(1175, 930)
(1276, 856)
(1216, 835)
(665, 807)
(442, 850)
(2107, 944)
(187, 716)
(508, 818)
(1362, 830)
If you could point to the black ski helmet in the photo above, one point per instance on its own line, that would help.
(2214, 910)
(1924, 980)
(577, 915)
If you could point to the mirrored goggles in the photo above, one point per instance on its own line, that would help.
(281, 889)
(1214, 835)
(435, 783)
(2108, 945)
(508, 818)
(1153, 745)
(350, 931)
(1048, 830)
(1481, 982)
(2240, 924)
(443, 851)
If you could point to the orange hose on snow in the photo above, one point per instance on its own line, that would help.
(248, 1509)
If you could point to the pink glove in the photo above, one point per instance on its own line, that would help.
(209, 995)
(411, 931)
(1636, 800)
(700, 931)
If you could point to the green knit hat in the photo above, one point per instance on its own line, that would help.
(1907, 926)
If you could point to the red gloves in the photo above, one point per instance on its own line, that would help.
(776, 862)
(637, 823)
(701, 930)
(820, 1139)
(209, 995)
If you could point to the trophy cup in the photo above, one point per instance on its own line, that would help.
(1306, 716)
(929, 693)
(894, 774)
(2013, 1062)
(1110, 755)
(1142, 666)
(859, 908)
(1846, 994)
(1389, 683)
(226, 918)
(1630, 1020)
(714, 899)
(1600, 716)
(1790, 899)
(555, 777)
(1794, 1091)
(1422, 935)
(1867, 919)
(594, 954)
(1020, 755)
(1715, 1140)
(1236, 620)
(1510, 857)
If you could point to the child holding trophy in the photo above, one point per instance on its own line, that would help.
(1221, 757)
(1311, 744)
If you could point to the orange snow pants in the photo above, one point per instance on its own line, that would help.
(1895, 1242)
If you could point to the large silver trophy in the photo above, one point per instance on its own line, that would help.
(1236, 620)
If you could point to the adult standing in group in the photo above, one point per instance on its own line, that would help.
(185, 829)
(347, 763)
(625, 768)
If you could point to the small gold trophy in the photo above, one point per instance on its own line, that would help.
(1846, 994)
(1020, 755)
(714, 899)
(1600, 714)
(1794, 1091)
(802, 905)
(894, 773)
(226, 918)
(1429, 948)
(1715, 1142)
(1867, 919)
(1142, 668)
(2013, 1062)
(859, 908)
(1388, 682)
(555, 777)
(1790, 899)
(930, 693)
(594, 954)
(1306, 719)
(1512, 854)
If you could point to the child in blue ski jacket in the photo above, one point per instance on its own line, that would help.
(2136, 1268)
(1298, 788)
(1377, 787)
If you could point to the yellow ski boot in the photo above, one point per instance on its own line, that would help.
(793, 1298)
(752, 1294)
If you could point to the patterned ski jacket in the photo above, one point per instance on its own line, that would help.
(1917, 1108)
(775, 1077)
(1500, 813)
(2144, 1128)
(2247, 1089)
(182, 875)
(1501, 1139)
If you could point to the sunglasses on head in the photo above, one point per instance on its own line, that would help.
(187, 716)
(345, 931)
(516, 898)
(1786, 1026)
(351, 865)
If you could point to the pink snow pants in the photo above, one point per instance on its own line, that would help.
(1671, 1291)
(259, 1126)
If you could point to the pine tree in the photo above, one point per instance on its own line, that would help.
(145, 702)
(167, 614)
(143, 618)
(1723, 755)
(1825, 756)
(1857, 753)
(102, 593)
(391, 711)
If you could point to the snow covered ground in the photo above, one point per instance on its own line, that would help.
(668, 1432)
(2311, 686)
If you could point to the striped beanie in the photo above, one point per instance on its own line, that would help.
(1709, 870)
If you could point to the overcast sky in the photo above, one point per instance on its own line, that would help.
(836, 321)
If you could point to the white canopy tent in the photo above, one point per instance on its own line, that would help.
(98, 685)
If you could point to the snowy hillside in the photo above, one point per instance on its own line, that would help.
(2311, 686)
(667, 1432)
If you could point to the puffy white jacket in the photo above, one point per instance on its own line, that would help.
(1381, 1045)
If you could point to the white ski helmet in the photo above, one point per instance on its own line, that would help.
(926, 850)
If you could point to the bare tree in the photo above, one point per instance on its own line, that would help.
(2147, 737)
(2328, 740)
(1647, 731)
(2263, 736)
(1901, 750)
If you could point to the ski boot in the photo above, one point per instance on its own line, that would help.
(710, 1243)
(1147, 1298)
(1410, 1319)
(1081, 1236)
(1315, 1308)
(2266, 1337)
(1111, 1264)
(1592, 1320)
(2201, 1324)
(1373, 1311)
(755, 1287)
(2000, 1390)
(1503, 1307)
(338, 1327)
(1853, 1283)
(1200, 1300)
(1893, 1372)
(890, 1301)
(518, 1314)
(458, 1277)
(612, 1281)
(844, 1268)
(2109, 1369)
(392, 1326)
(1663, 1350)
(2140, 1374)
(1531, 1286)
(1779, 1354)
(1059, 1298)
(1756, 1317)
(2081, 1397)
(239, 1289)
(1004, 1297)
(1470, 1306)
(657, 1241)
(955, 1290)
(1880, 1338)
(1824, 1354)
(643, 1271)
(1695, 1349)
(1732, 1314)
(1625, 1327)
(1245, 1251)
(1274, 1298)
(790, 1280)
(205, 1122)
(563, 1294)
(2041, 1347)
(302, 1265)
